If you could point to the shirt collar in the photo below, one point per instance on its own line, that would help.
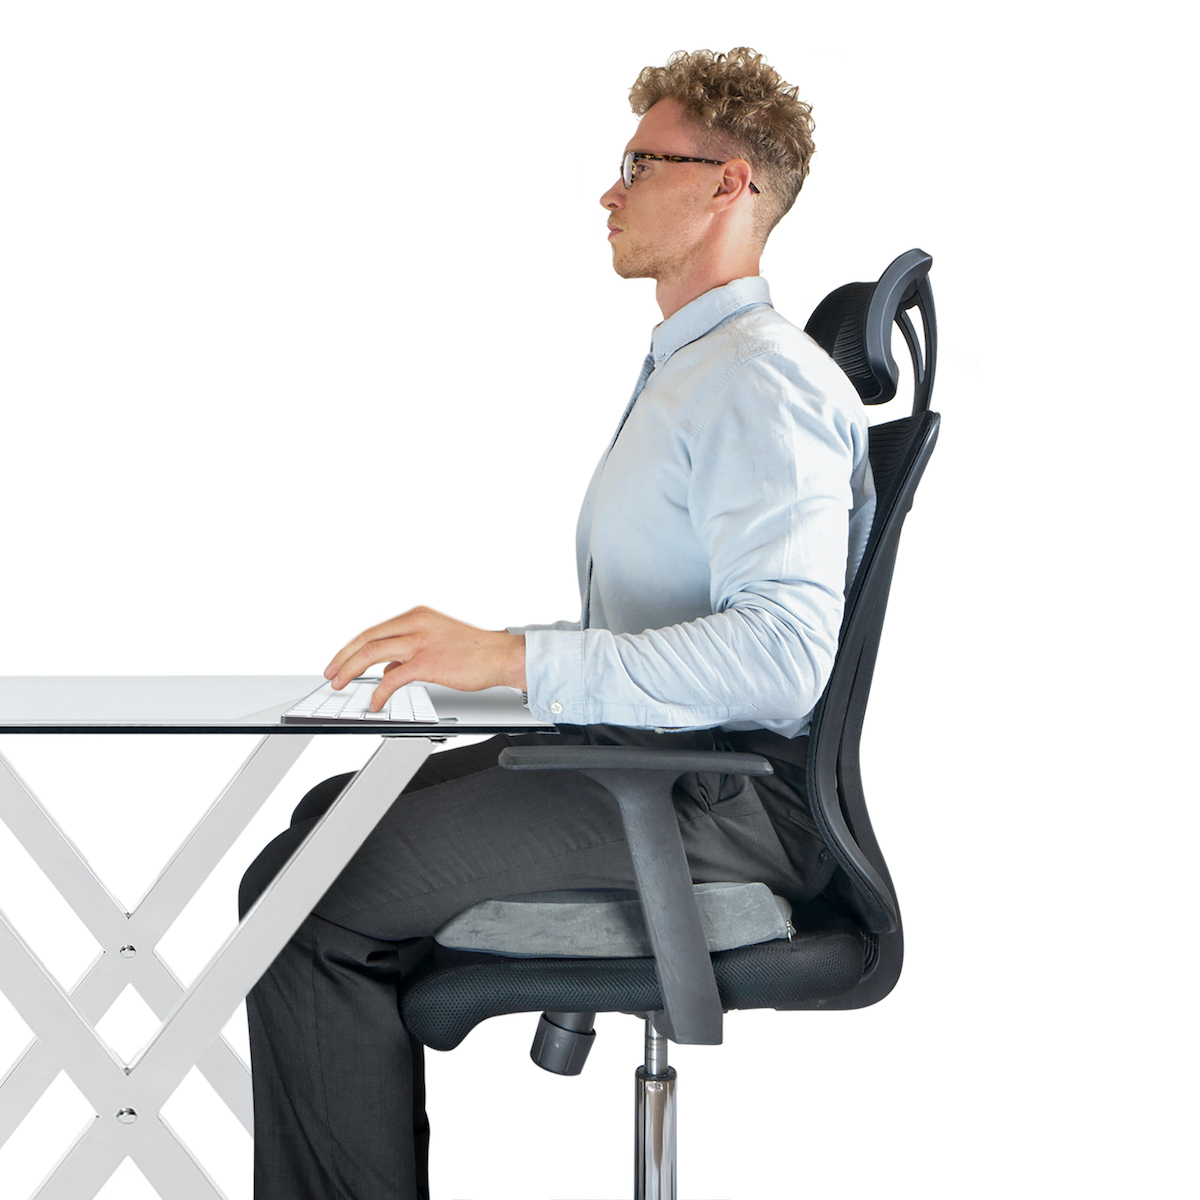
(705, 313)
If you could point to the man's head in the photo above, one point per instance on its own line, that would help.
(718, 157)
(738, 107)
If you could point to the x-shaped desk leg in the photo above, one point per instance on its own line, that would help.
(127, 1098)
(128, 939)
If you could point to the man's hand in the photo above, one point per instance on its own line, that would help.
(434, 648)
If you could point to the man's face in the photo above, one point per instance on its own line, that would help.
(657, 226)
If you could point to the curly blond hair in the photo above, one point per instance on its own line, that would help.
(747, 111)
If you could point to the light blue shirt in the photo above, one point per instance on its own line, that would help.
(718, 535)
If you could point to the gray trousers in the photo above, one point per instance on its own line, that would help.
(339, 1106)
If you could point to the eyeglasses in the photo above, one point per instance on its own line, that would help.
(630, 172)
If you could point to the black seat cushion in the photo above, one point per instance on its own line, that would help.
(443, 1004)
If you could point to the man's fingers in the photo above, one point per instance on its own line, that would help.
(386, 650)
(345, 653)
(350, 649)
(395, 627)
(394, 678)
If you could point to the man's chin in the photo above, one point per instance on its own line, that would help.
(631, 268)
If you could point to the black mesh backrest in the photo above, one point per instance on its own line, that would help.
(854, 326)
(899, 452)
(901, 449)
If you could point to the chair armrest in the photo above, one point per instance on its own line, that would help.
(641, 782)
(640, 758)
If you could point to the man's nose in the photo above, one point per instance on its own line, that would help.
(614, 198)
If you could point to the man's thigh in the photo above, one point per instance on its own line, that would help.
(486, 832)
(466, 830)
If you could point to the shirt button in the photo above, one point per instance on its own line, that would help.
(556, 708)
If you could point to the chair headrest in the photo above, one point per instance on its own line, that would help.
(854, 326)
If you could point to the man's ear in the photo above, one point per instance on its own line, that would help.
(735, 179)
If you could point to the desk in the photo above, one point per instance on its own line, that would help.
(127, 1096)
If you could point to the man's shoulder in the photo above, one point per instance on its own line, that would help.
(762, 338)
(764, 330)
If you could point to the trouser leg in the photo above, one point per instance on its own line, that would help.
(339, 1101)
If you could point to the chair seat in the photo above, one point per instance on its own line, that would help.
(607, 923)
(826, 959)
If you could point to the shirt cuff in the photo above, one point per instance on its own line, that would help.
(554, 676)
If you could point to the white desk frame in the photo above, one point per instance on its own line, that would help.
(128, 1097)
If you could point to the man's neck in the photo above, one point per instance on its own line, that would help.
(673, 292)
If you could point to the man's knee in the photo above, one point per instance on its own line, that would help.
(266, 866)
(319, 798)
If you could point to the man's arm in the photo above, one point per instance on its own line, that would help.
(428, 645)
(775, 535)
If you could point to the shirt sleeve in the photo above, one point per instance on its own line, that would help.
(533, 628)
(775, 469)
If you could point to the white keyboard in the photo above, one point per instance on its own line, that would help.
(410, 703)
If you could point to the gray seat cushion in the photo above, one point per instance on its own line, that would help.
(608, 923)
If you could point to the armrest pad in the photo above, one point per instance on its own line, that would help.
(630, 758)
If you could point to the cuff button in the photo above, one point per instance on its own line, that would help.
(556, 708)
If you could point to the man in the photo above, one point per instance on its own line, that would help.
(715, 544)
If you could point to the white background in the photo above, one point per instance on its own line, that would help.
(306, 316)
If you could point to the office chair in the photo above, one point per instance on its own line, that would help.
(679, 954)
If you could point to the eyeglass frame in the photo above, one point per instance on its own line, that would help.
(631, 156)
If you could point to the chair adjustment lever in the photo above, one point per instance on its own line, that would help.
(562, 1041)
